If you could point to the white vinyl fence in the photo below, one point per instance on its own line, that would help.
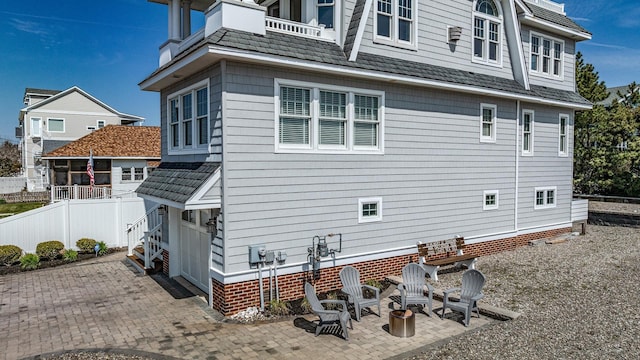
(69, 220)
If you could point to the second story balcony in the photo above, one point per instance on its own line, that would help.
(317, 19)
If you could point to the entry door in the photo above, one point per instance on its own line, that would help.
(194, 251)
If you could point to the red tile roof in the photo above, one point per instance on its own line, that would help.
(114, 141)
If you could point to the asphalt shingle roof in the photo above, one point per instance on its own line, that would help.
(177, 181)
(555, 17)
(325, 52)
(352, 31)
(114, 141)
(50, 145)
(41, 91)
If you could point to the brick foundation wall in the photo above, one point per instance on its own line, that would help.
(231, 298)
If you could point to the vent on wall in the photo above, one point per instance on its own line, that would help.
(454, 33)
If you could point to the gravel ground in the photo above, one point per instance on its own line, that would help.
(578, 299)
(614, 207)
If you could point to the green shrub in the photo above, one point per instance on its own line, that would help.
(102, 248)
(305, 305)
(86, 245)
(30, 261)
(70, 255)
(49, 249)
(373, 282)
(331, 296)
(278, 307)
(9, 254)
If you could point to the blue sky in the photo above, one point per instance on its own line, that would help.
(107, 47)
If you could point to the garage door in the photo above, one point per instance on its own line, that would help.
(194, 254)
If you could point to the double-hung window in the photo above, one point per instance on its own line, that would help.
(563, 140)
(545, 197)
(487, 34)
(327, 119)
(527, 132)
(546, 56)
(325, 13)
(188, 118)
(488, 122)
(395, 22)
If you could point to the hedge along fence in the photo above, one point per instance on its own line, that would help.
(67, 221)
(24, 196)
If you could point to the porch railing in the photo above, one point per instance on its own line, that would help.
(146, 231)
(79, 192)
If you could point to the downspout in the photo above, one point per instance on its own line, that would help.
(515, 211)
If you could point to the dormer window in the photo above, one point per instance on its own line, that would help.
(395, 23)
(325, 13)
(546, 56)
(487, 33)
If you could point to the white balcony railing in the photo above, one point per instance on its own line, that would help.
(79, 192)
(299, 29)
(550, 5)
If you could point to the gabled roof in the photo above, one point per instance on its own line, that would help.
(114, 141)
(177, 182)
(613, 94)
(34, 91)
(554, 17)
(50, 145)
(61, 94)
(299, 48)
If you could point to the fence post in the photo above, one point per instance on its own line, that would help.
(67, 224)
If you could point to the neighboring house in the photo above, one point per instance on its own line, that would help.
(613, 94)
(123, 156)
(389, 122)
(53, 118)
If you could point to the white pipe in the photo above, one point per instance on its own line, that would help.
(275, 273)
(270, 284)
(261, 292)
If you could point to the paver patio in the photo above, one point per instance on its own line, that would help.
(103, 304)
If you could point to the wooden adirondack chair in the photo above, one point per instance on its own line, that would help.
(350, 278)
(470, 293)
(328, 317)
(412, 287)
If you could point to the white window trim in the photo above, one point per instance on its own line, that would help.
(393, 40)
(539, 72)
(532, 136)
(546, 197)
(91, 128)
(372, 200)
(314, 145)
(500, 21)
(494, 127)
(484, 200)
(33, 134)
(64, 125)
(103, 122)
(194, 148)
(566, 136)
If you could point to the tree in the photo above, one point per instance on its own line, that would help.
(9, 159)
(606, 151)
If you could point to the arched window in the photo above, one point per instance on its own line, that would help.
(487, 32)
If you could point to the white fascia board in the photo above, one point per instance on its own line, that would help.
(523, 7)
(242, 55)
(555, 28)
(148, 83)
(162, 201)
